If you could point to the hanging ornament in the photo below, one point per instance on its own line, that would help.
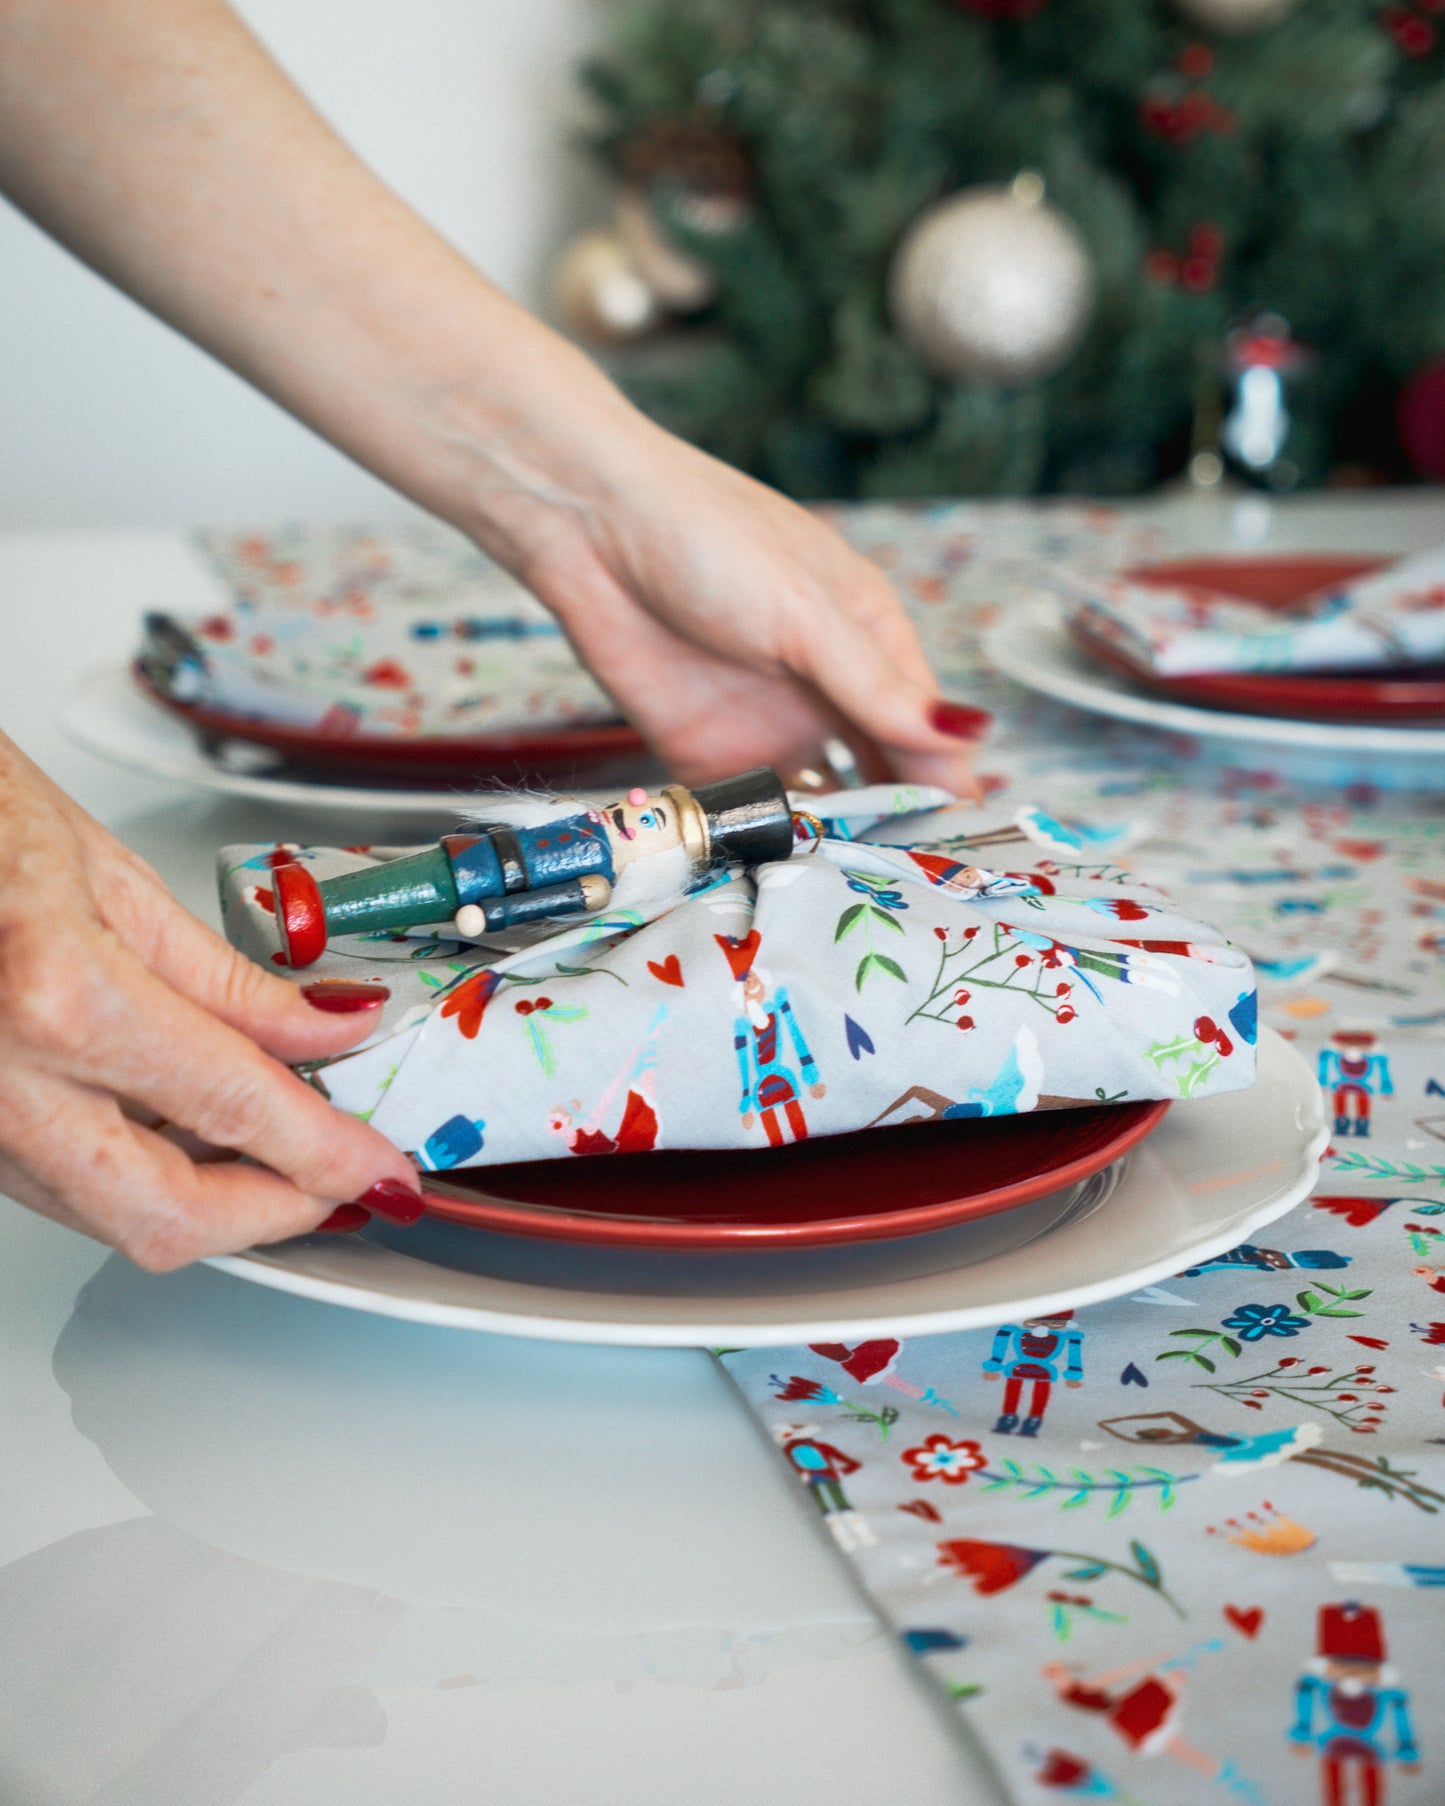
(1230, 16)
(601, 295)
(1421, 415)
(680, 281)
(992, 285)
(701, 169)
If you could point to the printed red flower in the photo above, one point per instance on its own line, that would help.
(798, 1387)
(939, 1458)
(992, 1567)
(1127, 910)
(468, 1002)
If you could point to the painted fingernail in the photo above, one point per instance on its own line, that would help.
(958, 719)
(391, 1199)
(343, 1219)
(340, 997)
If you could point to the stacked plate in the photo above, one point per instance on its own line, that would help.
(1393, 720)
(927, 1227)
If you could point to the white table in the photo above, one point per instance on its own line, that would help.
(256, 1549)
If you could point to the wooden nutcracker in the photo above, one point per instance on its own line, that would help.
(498, 876)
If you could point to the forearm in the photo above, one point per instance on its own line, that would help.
(160, 142)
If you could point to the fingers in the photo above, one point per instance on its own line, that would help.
(189, 957)
(901, 714)
(77, 1159)
(102, 1019)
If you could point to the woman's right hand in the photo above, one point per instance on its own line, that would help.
(119, 1012)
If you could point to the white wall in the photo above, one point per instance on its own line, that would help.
(107, 418)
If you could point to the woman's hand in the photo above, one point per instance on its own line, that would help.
(119, 1011)
(731, 626)
(158, 140)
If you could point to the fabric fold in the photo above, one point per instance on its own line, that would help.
(879, 976)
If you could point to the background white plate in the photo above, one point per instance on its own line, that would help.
(1211, 1175)
(1031, 643)
(108, 716)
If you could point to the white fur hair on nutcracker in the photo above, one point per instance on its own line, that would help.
(534, 860)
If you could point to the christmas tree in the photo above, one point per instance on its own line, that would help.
(1199, 161)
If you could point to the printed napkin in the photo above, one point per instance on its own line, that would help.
(1395, 618)
(878, 976)
(412, 632)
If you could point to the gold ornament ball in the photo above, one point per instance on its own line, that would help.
(680, 281)
(601, 294)
(1228, 16)
(992, 285)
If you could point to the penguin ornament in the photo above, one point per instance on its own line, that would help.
(635, 851)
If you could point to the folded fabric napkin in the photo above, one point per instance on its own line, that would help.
(412, 632)
(1395, 618)
(876, 977)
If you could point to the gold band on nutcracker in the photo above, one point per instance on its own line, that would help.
(692, 823)
(813, 821)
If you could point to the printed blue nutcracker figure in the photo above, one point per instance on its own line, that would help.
(1032, 1352)
(1350, 1709)
(1352, 1072)
(769, 1085)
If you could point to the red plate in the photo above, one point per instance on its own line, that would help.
(459, 759)
(1279, 582)
(896, 1182)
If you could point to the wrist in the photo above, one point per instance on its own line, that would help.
(528, 461)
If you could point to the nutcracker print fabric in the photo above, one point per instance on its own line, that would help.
(877, 976)
(1186, 1547)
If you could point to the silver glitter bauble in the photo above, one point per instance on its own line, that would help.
(1228, 16)
(992, 285)
(601, 295)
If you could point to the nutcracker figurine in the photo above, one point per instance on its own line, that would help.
(1349, 1707)
(1031, 1353)
(499, 876)
(1353, 1072)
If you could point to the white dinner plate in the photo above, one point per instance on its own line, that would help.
(1031, 643)
(107, 715)
(1210, 1176)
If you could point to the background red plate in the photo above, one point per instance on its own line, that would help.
(461, 759)
(1280, 581)
(874, 1185)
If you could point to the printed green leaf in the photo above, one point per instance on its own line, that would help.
(848, 921)
(1146, 1563)
(891, 966)
(882, 915)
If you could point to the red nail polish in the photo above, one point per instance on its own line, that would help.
(343, 1219)
(340, 997)
(958, 719)
(396, 1202)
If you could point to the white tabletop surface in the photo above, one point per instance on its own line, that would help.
(255, 1549)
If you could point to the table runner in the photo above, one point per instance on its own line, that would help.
(1182, 1548)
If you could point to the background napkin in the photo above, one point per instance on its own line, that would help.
(1395, 618)
(882, 979)
(410, 632)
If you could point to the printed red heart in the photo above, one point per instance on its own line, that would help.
(1245, 1619)
(667, 971)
